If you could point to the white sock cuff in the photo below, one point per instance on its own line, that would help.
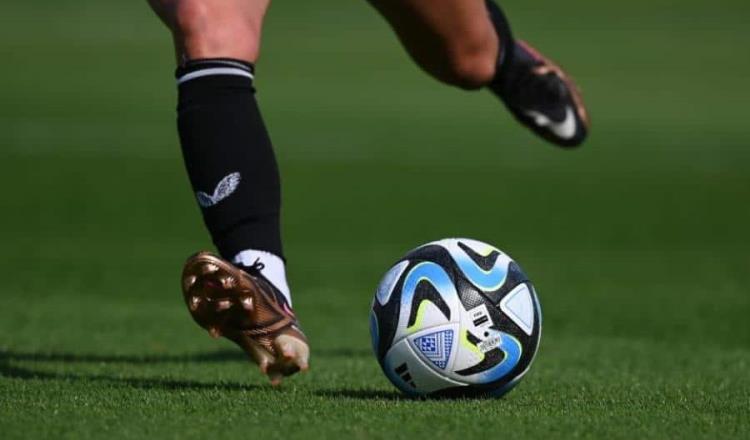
(274, 268)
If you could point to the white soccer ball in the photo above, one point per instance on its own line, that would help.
(455, 317)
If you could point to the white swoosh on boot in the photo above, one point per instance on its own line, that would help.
(565, 129)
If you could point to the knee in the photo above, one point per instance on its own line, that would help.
(203, 29)
(472, 64)
(191, 17)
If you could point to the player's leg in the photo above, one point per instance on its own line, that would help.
(469, 44)
(207, 29)
(452, 40)
(233, 172)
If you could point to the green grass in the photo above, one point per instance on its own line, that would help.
(638, 243)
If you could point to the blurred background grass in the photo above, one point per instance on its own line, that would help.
(638, 242)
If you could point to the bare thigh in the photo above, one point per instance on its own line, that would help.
(214, 28)
(453, 40)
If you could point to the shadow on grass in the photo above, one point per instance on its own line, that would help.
(395, 396)
(7, 369)
(213, 356)
(357, 394)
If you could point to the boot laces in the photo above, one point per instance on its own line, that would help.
(255, 268)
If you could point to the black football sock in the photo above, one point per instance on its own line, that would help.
(502, 28)
(510, 56)
(228, 156)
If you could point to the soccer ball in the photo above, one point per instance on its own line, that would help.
(455, 317)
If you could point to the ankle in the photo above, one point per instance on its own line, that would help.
(272, 267)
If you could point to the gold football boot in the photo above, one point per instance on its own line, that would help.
(244, 307)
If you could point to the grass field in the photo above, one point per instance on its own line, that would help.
(638, 243)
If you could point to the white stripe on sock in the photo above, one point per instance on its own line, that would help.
(273, 268)
(224, 62)
(214, 71)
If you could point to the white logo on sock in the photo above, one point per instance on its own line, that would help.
(224, 189)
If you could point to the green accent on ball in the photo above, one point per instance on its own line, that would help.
(420, 317)
(469, 346)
